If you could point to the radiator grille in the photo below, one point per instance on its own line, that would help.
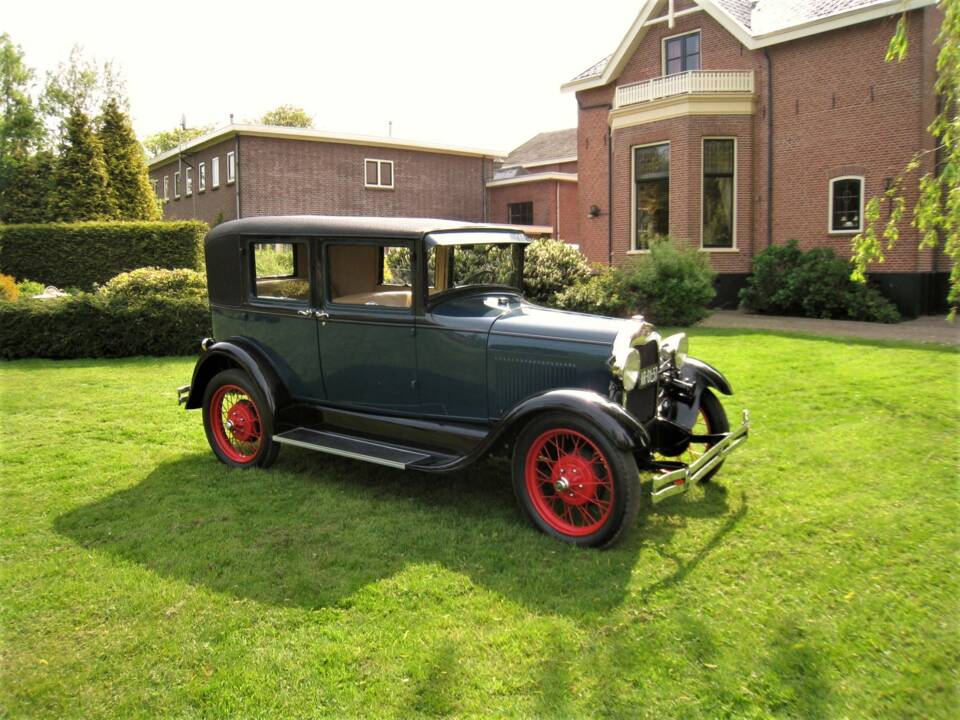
(642, 403)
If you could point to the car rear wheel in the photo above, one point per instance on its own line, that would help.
(238, 422)
(573, 483)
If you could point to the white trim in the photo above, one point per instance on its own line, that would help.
(663, 50)
(671, 17)
(214, 172)
(176, 185)
(633, 191)
(534, 177)
(231, 167)
(863, 187)
(846, 18)
(540, 163)
(188, 182)
(682, 105)
(736, 147)
(379, 185)
(201, 177)
(271, 131)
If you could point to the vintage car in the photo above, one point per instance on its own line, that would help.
(408, 343)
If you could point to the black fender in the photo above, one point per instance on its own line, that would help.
(706, 375)
(624, 430)
(242, 354)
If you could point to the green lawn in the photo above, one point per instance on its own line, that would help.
(816, 578)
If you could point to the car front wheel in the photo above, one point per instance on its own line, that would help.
(573, 483)
(238, 422)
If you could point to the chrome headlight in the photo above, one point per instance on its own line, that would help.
(674, 349)
(625, 360)
(631, 370)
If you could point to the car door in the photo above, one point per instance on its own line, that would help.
(281, 295)
(367, 332)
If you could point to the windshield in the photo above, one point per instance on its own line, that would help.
(455, 266)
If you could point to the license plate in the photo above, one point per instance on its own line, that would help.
(648, 376)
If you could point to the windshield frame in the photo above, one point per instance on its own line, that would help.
(516, 286)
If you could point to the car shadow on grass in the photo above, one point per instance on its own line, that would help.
(315, 529)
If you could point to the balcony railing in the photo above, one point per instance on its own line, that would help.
(686, 83)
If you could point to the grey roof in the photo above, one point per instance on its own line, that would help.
(343, 226)
(759, 17)
(545, 146)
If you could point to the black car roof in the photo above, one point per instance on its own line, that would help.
(340, 226)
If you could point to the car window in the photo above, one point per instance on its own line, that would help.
(454, 266)
(281, 272)
(369, 275)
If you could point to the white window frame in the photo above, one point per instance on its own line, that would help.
(188, 182)
(633, 192)
(155, 185)
(863, 189)
(201, 177)
(663, 50)
(378, 185)
(166, 188)
(736, 148)
(215, 172)
(231, 167)
(176, 185)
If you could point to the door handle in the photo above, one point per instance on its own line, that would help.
(305, 313)
(321, 315)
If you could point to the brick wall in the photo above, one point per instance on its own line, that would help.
(543, 195)
(283, 177)
(209, 205)
(594, 108)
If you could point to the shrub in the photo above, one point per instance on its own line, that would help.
(90, 325)
(788, 281)
(670, 286)
(8, 288)
(550, 267)
(83, 254)
(29, 288)
(137, 284)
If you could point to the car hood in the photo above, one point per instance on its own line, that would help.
(529, 320)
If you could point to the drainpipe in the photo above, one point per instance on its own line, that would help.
(558, 211)
(483, 187)
(236, 169)
(766, 54)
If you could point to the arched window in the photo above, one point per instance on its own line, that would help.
(846, 204)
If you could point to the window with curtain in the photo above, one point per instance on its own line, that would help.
(846, 205)
(719, 178)
(681, 53)
(651, 177)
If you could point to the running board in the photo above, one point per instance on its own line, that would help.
(351, 447)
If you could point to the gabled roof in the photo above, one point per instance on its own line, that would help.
(545, 148)
(290, 133)
(755, 23)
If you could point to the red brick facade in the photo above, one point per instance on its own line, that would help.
(544, 194)
(838, 109)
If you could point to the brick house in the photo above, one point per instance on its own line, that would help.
(536, 185)
(734, 124)
(247, 170)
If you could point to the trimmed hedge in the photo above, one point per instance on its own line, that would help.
(84, 254)
(88, 325)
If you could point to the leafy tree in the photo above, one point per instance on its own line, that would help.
(288, 116)
(80, 182)
(936, 213)
(169, 139)
(25, 199)
(81, 83)
(129, 181)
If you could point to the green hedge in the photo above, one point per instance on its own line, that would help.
(81, 255)
(87, 325)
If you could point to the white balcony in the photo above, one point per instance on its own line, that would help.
(693, 82)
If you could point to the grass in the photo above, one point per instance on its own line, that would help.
(816, 578)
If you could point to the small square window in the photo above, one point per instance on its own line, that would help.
(215, 173)
(231, 167)
(176, 185)
(189, 188)
(201, 177)
(378, 173)
(520, 213)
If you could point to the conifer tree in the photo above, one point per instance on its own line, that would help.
(129, 181)
(26, 197)
(80, 183)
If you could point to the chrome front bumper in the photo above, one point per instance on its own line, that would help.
(679, 481)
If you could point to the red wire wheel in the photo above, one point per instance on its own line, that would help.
(235, 421)
(569, 482)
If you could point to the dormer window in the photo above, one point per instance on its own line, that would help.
(681, 53)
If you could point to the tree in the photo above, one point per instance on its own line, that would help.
(81, 83)
(936, 213)
(80, 182)
(288, 116)
(129, 181)
(26, 196)
(169, 139)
